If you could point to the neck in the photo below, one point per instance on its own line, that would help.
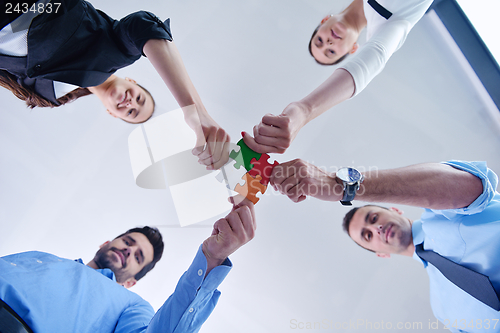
(100, 89)
(409, 250)
(411, 247)
(354, 15)
(93, 264)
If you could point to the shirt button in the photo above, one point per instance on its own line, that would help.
(200, 272)
(13, 264)
(38, 67)
(38, 261)
(191, 310)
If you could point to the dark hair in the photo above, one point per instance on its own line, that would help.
(347, 219)
(154, 237)
(33, 99)
(310, 51)
(154, 105)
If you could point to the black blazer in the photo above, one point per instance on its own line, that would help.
(82, 46)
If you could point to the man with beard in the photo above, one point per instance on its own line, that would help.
(455, 238)
(40, 292)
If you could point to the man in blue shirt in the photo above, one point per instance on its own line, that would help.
(461, 222)
(52, 294)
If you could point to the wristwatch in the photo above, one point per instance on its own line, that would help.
(351, 179)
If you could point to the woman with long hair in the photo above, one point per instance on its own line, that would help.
(388, 22)
(52, 53)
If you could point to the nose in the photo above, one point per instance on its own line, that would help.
(129, 102)
(379, 229)
(126, 252)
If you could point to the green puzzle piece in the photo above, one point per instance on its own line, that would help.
(244, 156)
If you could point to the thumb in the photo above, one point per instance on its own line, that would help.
(199, 146)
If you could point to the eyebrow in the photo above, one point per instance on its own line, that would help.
(367, 217)
(140, 250)
(363, 230)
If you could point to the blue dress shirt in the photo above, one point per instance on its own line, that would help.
(469, 236)
(53, 294)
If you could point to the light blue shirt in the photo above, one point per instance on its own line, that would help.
(53, 294)
(469, 236)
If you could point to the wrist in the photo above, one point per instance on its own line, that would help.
(336, 187)
(212, 261)
(351, 179)
(299, 111)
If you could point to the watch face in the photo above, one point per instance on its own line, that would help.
(349, 175)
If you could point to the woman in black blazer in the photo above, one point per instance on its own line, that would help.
(80, 47)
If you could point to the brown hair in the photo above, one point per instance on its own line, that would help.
(33, 99)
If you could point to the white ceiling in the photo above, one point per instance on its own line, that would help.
(67, 184)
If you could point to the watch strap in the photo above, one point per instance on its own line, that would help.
(349, 194)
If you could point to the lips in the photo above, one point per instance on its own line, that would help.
(334, 35)
(121, 256)
(122, 102)
(387, 233)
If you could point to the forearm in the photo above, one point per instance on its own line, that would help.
(429, 185)
(167, 61)
(336, 89)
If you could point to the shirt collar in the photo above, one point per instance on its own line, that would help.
(418, 238)
(105, 271)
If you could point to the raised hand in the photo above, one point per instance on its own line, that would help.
(297, 179)
(230, 233)
(274, 134)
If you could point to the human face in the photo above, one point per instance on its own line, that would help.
(381, 230)
(125, 256)
(126, 100)
(333, 40)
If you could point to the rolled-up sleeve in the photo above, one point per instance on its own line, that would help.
(489, 180)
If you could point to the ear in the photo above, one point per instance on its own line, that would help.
(394, 209)
(106, 242)
(325, 19)
(354, 48)
(111, 114)
(383, 255)
(130, 80)
(129, 283)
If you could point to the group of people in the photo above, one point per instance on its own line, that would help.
(49, 59)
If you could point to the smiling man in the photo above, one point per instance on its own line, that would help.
(40, 292)
(455, 238)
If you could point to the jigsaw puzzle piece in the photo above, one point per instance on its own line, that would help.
(263, 168)
(244, 156)
(232, 176)
(251, 188)
(238, 157)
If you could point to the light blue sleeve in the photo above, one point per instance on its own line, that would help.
(489, 180)
(193, 300)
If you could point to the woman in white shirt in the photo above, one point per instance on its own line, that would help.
(388, 22)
